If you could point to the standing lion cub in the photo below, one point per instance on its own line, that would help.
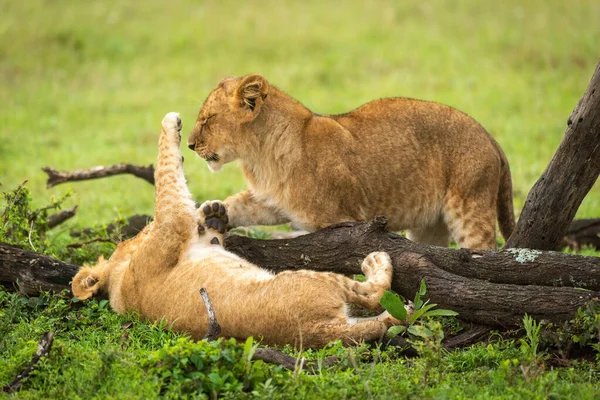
(430, 168)
(159, 274)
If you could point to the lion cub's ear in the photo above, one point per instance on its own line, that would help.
(250, 93)
(88, 281)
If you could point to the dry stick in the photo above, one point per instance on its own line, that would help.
(214, 329)
(61, 216)
(43, 349)
(95, 240)
(57, 177)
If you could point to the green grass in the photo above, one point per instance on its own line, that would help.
(87, 83)
(99, 354)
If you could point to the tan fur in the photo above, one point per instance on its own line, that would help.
(429, 168)
(160, 271)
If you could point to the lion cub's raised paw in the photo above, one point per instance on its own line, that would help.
(171, 123)
(214, 216)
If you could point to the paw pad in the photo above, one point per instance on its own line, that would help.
(215, 216)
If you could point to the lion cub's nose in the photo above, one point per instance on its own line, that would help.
(192, 146)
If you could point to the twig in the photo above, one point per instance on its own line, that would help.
(29, 236)
(95, 240)
(273, 356)
(43, 349)
(57, 177)
(475, 334)
(214, 329)
(135, 224)
(60, 217)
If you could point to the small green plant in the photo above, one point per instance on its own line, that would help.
(529, 345)
(22, 225)
(395, 305)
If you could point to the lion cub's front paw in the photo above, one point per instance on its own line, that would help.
(171, 124)
(215, 216)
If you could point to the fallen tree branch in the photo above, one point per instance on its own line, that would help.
(486, 287)
(32, 272)
(61, 216)
(43, 350)
(214, 329)
(57, 177)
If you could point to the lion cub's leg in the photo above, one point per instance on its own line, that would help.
(472, 222)
(245, 209)
(377, 268)
(436, 234)
(174, 218)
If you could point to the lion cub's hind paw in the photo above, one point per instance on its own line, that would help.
(376, 262)
(171, 123)
(215, 216)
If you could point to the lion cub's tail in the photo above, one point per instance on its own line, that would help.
(506, 213)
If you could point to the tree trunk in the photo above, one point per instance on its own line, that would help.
(485, 287)
(554, 199)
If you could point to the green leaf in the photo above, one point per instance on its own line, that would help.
(249, 349)
(394, 331)
(418, 313)
(102, 303)
(423, 288)
(440, 313)
(420, 331)
(394, 305)
(418, 303)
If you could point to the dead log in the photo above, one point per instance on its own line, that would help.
(486, 287)
(57, 177)
(32, 272)
(554, 199)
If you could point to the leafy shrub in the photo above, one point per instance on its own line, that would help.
(205, 367)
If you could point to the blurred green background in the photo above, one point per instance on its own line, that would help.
(86, 83)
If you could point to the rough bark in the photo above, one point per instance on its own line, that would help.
(57, 177)
(32, 272)
(486, 287)
(554, 199)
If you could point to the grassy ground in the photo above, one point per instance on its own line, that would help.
(87, 83)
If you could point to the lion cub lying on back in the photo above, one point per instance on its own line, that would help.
(160, 271)
(429, 168)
